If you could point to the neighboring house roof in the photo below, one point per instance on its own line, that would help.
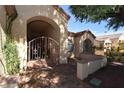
(71, 34)
(111, 37)
(121, 37)
(108, 41)
(81, 33)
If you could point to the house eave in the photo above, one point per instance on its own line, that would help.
(62, 12)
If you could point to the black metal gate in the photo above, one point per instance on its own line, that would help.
(43, 48)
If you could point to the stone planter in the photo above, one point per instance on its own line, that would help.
(86, 68)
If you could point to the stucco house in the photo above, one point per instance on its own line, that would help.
(83, 42)
(41, 31)
(40, 34)
(37, 31)
(109, 40)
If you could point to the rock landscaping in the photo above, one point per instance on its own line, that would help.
(62, 76)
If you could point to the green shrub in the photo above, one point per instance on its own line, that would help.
(12, 60)
(109, 59)
(121, 46)
(121, 53)
(10, 50)
(108, 53)
(115, 55)
(115, 49)
(122, 59)
(117, 58)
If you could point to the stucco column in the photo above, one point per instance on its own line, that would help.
(20, 37)
(63, 45)
(23, 40)
(2, 58)
(23, 57)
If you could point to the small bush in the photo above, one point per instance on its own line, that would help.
(115, 49)
(12, 60)
(109, 59)
(117, 58)
(122, 53)
(116, 54)
(121, 46)
(113, 53)
(122, 59)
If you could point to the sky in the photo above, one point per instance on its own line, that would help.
(96, 29)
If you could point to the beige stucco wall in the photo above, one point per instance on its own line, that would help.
(79, 43)
(19, 28)
(85, 69)
(2, 38)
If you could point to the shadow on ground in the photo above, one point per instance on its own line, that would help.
(111, 76)
(8, 81)
(62, 76)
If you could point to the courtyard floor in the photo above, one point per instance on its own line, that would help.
(64, 76)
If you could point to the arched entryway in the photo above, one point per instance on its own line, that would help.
(87, 46)
(43, 37)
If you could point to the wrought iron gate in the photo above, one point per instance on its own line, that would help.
(43, 47)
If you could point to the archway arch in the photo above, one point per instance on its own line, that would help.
(43, 37)
(43, 23)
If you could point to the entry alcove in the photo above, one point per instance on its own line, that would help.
(43, 37)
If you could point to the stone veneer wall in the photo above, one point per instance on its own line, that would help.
(19, 28)
(2, 37)
(79, 42)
